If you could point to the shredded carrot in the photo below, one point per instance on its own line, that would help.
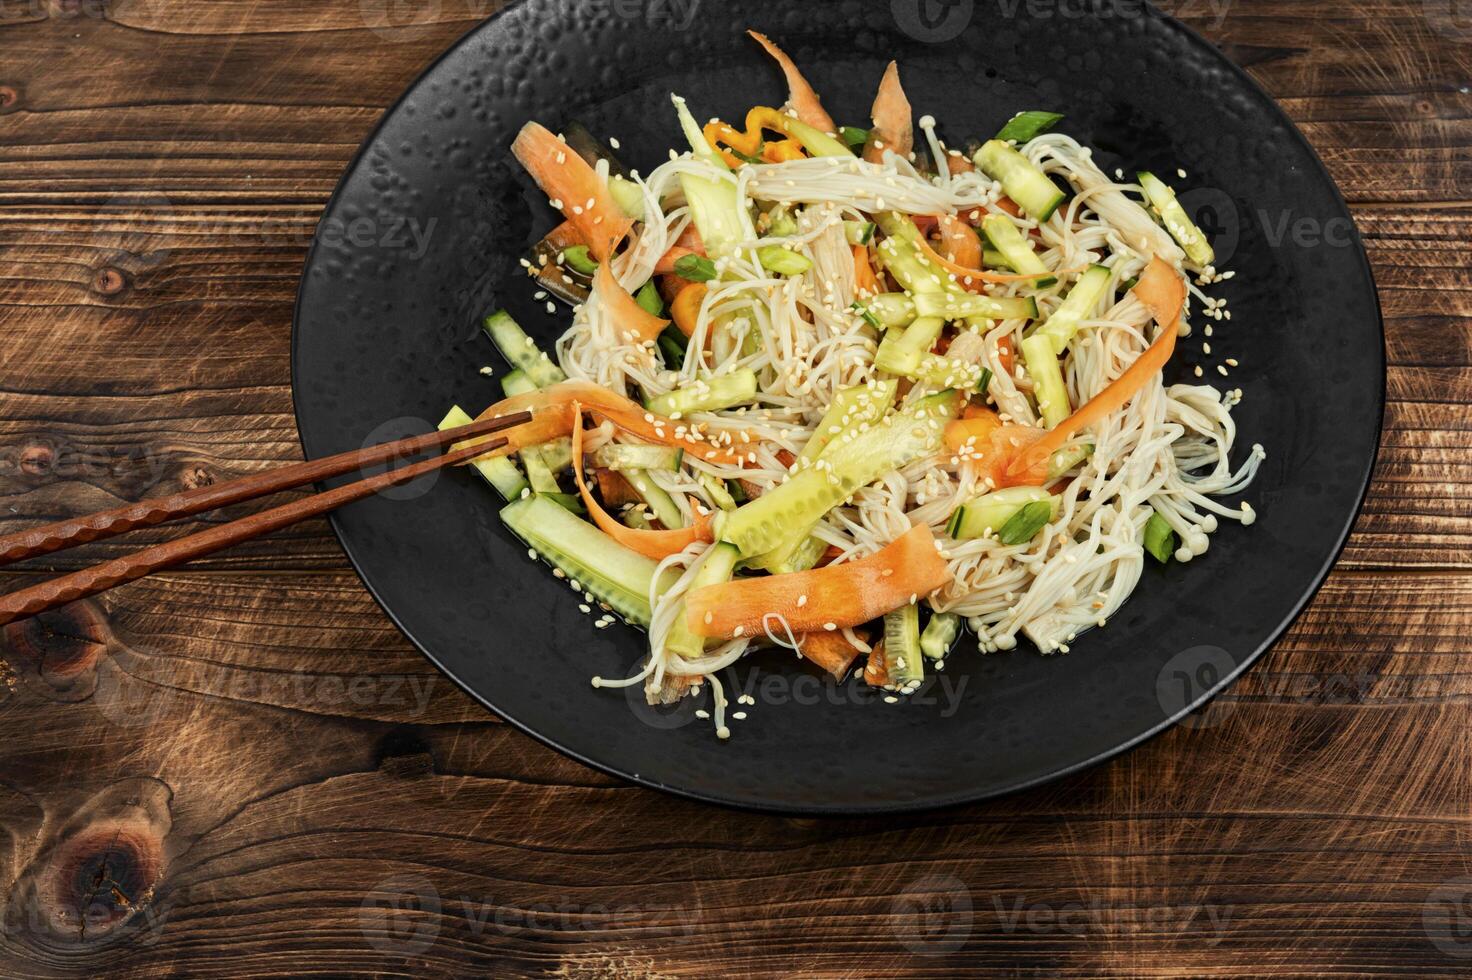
(830, 651)
(657, 545)
(959, 164)
(1162, 290)
(552, 418)
(575, 187)
(823, 599)
(1006, 356)
(894, 125)
(629, 318)
(960, 244)
(865, 281)
(973, 430)
(975, 411)
(1005, 203)
(801, 96)
(967, 277)
(686, 307)
(688, 243)
(876, 672)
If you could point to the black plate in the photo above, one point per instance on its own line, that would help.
(387, 336)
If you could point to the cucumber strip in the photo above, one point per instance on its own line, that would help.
(783, 261)
(628, 195)
(715, 489)
(521, 351)
(636, 518)
(992, 259)
(1066, 459)
(1015, 248)
(538, 473)
(1047, 378)
(797, 556)
(988, 514)
(517, 383)
(1027, 125)
(912, 270)
(498, 471)
(780, 222)
(707, 395)
(892, 309)
(1025, 524)
(940, 635)
(557, 454)
(569, 502)
(1191, 239)
(717, 567)
(959, 306)
(1160, 538)
(660, 502)
(903, 660)
(851, 464)
(851, 409)
(579, 259)
(614, 456)
(859, 232)
(1033, 191)
(597, 563)
(1076, 307)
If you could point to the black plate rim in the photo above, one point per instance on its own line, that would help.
(894, 807)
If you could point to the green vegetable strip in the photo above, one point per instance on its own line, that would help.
(1160, 539)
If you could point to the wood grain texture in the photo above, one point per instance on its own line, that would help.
(242, 769)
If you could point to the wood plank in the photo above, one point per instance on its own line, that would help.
(1230, 849)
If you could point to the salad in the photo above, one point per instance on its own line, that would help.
(837, 390)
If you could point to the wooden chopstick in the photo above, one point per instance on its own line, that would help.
(90, 581)
(146, 513)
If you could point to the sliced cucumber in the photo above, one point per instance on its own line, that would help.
(538, 473)
(780, 222)
(850, 409)
(1160, 538)
(1033, 191)
(859, 232)
(628, 195)
(1047, 378)
(892, 309)
(1076, 307)
(912, 270)
(600, 565)
(988, 514)
(1066, 459)
(518, 382)
(580, 260)
(558, 454)
(660, 502)
(613, 456)
(903, 660)
(569, 502)
(707, 395)
(521, 351)
(796, 555)
(940, 635)
(992, 259)
(783, 261)
(499, 471)
(715, 489)
(959, 306)
(717, 567)
(790, 509)
(1016, 250)
(1176, 221)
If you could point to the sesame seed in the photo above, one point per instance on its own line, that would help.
(830, 627)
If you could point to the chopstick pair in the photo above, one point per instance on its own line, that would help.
(147, 513)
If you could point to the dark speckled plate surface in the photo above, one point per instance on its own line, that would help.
(422, 238)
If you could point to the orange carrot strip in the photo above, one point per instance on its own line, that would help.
(628, 316)
(974, 431)
(567, 179)
(823, 599)
(552, 418)
(801, 96)
(865, 280)
(1161, 289)
(960, 244)
(657, 545)
(1006, 356)
(876, 672)
(688, 243)
(894, 120)
(969, 278)
(686, 307)
(831, 651)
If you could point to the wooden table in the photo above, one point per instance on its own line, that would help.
(243, 769)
